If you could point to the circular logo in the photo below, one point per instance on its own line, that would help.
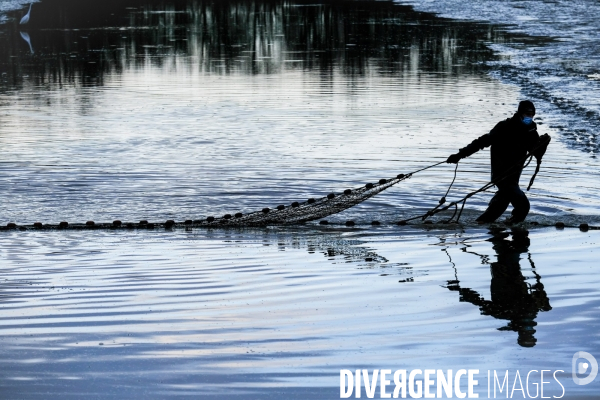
(580, 367)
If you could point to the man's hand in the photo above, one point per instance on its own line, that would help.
(454, 159)
(543, 143)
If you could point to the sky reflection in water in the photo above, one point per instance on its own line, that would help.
(235, 311)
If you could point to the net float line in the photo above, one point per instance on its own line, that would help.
(171, 224)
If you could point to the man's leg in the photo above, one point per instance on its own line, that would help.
(520, 204)
(497, 206)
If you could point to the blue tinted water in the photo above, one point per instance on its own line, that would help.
(140, 110)
(241, 314)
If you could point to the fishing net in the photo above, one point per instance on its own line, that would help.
(309, 210)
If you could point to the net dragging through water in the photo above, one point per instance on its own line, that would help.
(298, 213)
(309, 210)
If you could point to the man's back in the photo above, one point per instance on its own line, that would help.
(510, 141)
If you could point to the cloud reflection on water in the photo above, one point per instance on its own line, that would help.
(179, 312)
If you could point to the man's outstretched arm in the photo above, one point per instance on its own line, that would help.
(476, 145)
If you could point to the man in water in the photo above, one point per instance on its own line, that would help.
(511, 140)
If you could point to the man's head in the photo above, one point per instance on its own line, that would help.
(526, 111)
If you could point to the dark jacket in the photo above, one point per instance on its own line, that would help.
(510, 139)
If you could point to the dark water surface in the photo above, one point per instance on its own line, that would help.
(181, 109)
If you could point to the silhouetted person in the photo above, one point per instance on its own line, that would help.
(513, 299)
(510, 140)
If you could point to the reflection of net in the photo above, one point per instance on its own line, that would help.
(309, 210)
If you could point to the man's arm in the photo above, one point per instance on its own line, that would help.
(476, 145)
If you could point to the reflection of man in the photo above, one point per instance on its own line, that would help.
(510, 141)
(513, 298)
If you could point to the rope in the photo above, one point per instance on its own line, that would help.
(449, 187)
(423, 169)
(537, 169)
(443, 199)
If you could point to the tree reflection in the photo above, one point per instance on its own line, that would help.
(80, 42)
(513, 298)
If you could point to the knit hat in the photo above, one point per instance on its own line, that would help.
(526, 107)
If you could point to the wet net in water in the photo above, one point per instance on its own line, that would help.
(309, 210)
